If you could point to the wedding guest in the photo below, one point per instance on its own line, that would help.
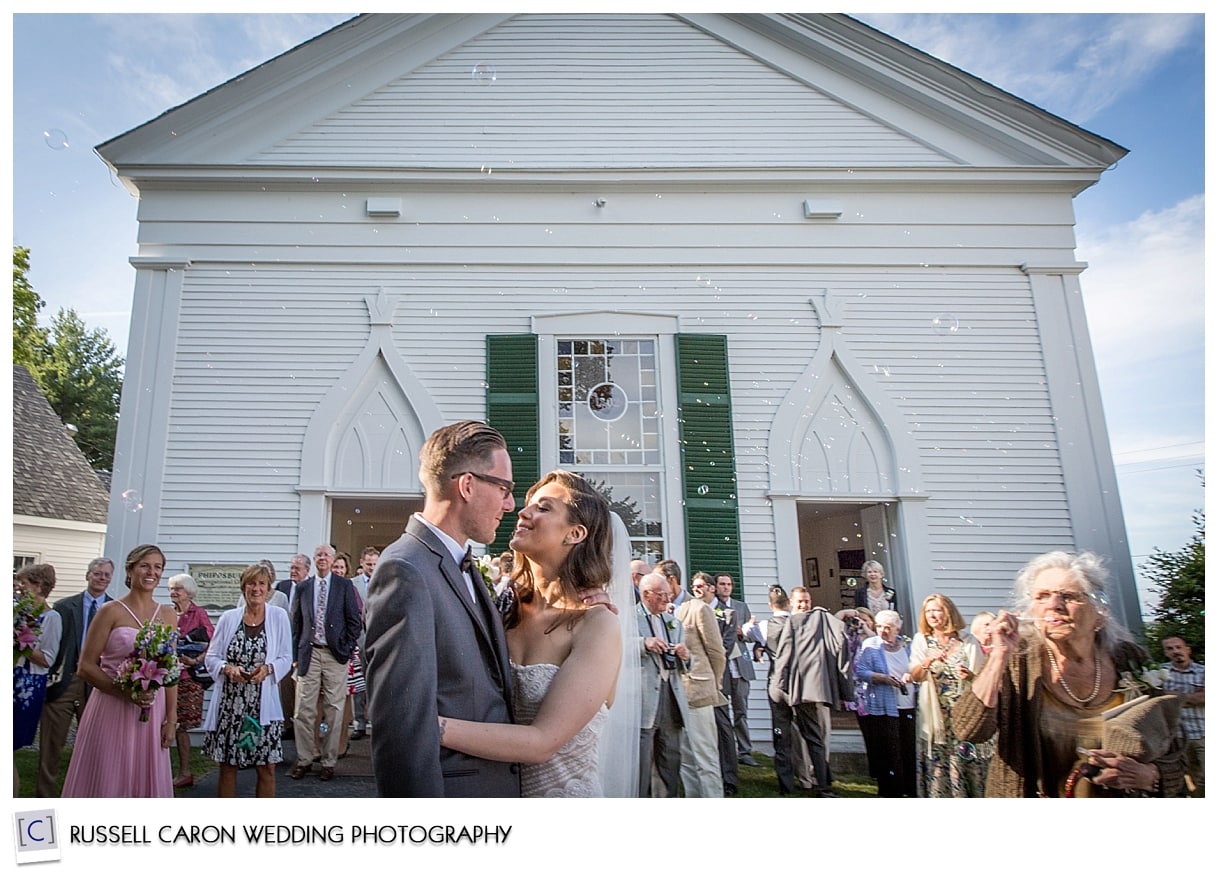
(1049, 680)
(944, 657)
(700, 772)
(30, 672)
(1186, 679)
(980, 630)
(886, 707)
(875, 594)
(249, 654)
(276, 597)
(665, 710)
(193, 625)
(342, 565)
(116, 753)
(813, 676)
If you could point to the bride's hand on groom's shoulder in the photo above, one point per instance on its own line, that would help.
(597, 597)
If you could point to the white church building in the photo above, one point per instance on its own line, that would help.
(799, 294)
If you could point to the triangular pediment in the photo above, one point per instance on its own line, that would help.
(542, 92)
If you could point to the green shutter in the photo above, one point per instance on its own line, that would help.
(708, 457)
(511, 408)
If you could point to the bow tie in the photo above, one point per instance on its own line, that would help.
(467, 562)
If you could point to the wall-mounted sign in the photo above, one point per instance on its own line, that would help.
(219, 584)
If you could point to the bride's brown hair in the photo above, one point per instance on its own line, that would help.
(589, 563)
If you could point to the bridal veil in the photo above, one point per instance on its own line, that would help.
(619, 745)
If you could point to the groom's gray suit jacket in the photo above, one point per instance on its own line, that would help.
(432, 651)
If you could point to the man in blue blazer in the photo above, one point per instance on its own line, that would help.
(325, 627)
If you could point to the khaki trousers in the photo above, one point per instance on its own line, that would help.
(324, 688)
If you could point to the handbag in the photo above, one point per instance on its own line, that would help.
(194, 644)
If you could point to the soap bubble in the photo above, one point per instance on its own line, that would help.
(945, 324)
(966, 751)
(55, 138)
(484, 73)
(132, 501)
(704, 490)
(852, 582)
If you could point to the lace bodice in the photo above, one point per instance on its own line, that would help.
(573, 770)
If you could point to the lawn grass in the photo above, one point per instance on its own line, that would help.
(25, 761)
(760, 781)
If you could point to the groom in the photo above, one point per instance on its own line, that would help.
(435, 644)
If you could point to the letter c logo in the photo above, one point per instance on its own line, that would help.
(29, 830)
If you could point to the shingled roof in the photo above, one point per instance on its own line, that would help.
(51, 478)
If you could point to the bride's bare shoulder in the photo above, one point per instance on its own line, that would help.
(597, 623)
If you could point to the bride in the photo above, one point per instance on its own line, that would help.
(572, 734)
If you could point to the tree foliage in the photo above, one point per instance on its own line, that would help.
(77, 368)
(1179, 578)
(29, 340)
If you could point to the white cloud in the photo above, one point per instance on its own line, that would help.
(200, 51)
(1073, 65)
(1145, 288)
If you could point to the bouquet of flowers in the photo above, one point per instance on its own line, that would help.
(27, 625)
(153, 664)
(1146, 681)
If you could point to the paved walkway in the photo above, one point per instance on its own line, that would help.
(352, 777)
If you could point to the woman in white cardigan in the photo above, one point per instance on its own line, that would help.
(249, 654)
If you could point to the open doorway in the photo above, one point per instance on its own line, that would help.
(835, 539)
(356, 523)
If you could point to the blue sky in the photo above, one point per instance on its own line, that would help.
(79, 80)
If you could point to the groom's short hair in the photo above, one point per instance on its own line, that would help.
(461, 447)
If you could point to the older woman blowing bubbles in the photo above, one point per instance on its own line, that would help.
(1053, 671)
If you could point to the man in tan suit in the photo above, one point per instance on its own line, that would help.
(700, 772)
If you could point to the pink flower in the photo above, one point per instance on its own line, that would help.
(27, 637)
(149, 674)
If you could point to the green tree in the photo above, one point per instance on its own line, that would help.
(1179, 578)
(29, 340)
(74, 366)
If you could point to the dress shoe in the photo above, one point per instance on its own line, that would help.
(184, 781)
(299, 771)
(729, 790)
(747, 760)
(828, 794)
(327, 773)
(358, 734)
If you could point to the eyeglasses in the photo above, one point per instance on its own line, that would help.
(508, 486)
(1069, 597)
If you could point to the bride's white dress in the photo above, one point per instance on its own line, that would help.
(573, 771)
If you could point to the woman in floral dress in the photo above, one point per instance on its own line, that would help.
(943, 659)
(249, 654)
(30, 669)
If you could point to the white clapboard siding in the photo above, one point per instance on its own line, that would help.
(259, 348)
(599, 91)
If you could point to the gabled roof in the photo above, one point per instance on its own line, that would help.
(51, 478)
(385, 91)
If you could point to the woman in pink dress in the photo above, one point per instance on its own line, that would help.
(117, 754)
